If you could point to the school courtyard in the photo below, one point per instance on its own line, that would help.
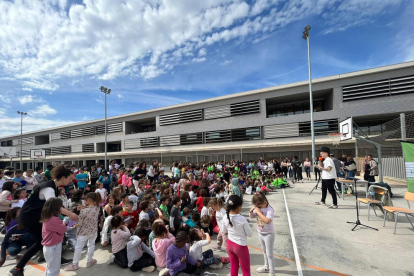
(321, 237)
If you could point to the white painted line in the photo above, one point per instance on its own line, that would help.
(292, 235)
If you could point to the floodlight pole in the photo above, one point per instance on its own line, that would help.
(106, 91)
(21, 137)
(306, 37)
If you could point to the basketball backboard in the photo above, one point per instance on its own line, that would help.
(346, 129)
(37, 154)
(8, 152)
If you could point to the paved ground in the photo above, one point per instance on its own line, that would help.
(325, 243)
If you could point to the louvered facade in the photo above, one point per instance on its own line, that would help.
(260, 120)
(381, 88)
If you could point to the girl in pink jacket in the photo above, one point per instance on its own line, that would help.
(163, 239)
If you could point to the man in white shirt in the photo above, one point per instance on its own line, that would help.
(328, 177)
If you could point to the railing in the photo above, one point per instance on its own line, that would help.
(391, 166)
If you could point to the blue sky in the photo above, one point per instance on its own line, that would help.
(55, 54)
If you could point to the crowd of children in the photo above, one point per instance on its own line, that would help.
(161, 223)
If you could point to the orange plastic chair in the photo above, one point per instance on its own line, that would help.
(369, 202)
(397, 210)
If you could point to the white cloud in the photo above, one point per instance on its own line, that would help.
(226, 62)
(29, 99)
(199, 59)
(27, 89)
(100, 38)
(42, 110)
(42, 85)
(120, 98)
(202, 52)
(4, 99)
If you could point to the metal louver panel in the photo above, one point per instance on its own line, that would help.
(25, 153)
(65, 134)
(76, 148)
(320, 127)
(111, 128)
(191, 139)
(88, 147)
(182, 117)
(172, 140)
(218, 136)
(82, 132)
(280, 131)
(27, 140)
(132, 143)
(60, 150)
(245, 108)
(55, 136)
(380, 88)
(217, 112)
(47, 151)
(149, 142)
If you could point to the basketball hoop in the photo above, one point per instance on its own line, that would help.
(335, 138)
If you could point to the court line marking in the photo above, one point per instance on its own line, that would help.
(292, 236)
(37, 266)
(310, 266)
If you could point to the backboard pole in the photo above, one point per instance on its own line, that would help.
(356, 144)
(403, 131)
(378, 146)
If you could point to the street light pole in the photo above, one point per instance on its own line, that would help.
(306, 37)
(21, 137)
(106, 91)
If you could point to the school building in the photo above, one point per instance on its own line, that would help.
(271, 122)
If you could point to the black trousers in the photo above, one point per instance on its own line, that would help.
(329, 184)
(317, 173)
(144, 261)
(297, 172)
(121, 258)
(35, 228)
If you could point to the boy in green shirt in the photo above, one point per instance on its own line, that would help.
(163, 207)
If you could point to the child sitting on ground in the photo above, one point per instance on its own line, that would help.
(163, 240)
(186, 214)
(178, 259)
(198, 239)
(140, 257)
(107, 229)
(130, 215)
(119, 237)
(205, 224)
(195, 219)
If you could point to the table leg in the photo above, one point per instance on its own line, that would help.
(342, 190)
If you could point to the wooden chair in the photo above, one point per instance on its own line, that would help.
(397, 210)
(381, 191)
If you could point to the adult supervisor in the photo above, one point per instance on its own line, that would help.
(328, 177)
(32, 209)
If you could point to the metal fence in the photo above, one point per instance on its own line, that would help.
(391, 166)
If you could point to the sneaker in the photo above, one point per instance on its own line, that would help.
(71, 267)
(216, 266)
(64, 261)
(333, 206)
(225, 260)
(16, 272)
(209, 274)
(91, 263)
(320, 203)
(164, 272)
(149, 268)
(217, 248)
(111, 259)
(263, 269)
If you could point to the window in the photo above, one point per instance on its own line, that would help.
(294, 108)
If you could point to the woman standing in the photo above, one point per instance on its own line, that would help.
(139, 173)
(152, 171)
(307, 165)
(316, 169)
(284, 168)
(32, 208)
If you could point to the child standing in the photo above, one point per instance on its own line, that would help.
(87, 230)
(175, 217)
(238, 230)
(63, 197)
(264, 214)
(217, 206)
(53, 231)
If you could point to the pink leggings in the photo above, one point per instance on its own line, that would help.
(238, 255)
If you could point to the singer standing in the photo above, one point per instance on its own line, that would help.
(328, 177)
